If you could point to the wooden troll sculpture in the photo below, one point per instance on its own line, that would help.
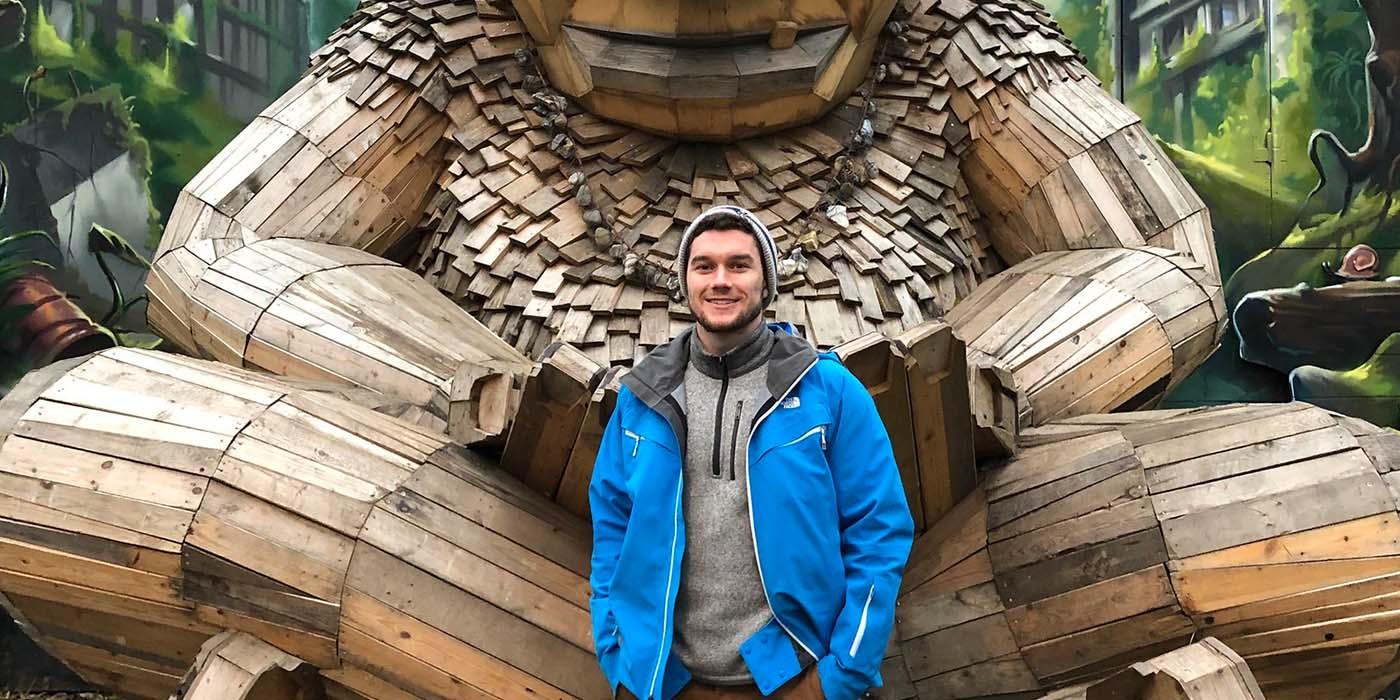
(458, 229)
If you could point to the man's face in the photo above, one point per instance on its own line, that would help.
(724, 280)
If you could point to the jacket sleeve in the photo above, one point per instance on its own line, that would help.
(877, 531)
(611, 507)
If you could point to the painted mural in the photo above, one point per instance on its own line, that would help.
(108, 108)
(1282, 115)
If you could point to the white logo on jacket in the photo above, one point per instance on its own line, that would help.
(791, 402)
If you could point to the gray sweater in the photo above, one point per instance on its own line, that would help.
(720, 602)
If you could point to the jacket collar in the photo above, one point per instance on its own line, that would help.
(662, 371)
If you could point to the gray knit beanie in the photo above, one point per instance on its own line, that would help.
(767, 247)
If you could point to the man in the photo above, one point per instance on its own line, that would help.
(749, 525)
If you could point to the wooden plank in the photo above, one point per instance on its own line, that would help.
(413, 444)
(1261, 615)
(958, 535)
(233, 590)
(547, 423)
(1340, 608)
(65, 567)
(1280, 479)
(24, 515)
(1041, 465)
(940, 416)
(169, 647)
(880, 366)
(924, 612)
(353, 683)
(1232, 436)
(78, 543)
(1376, 535)
(1191, 423)
(1120, 489)
(1364, 628)
(277, 544)
(1204, 591)
(159, 521)
(364, 459)
(314, 648)
(132, 676)
(102, 474)
(468, 618)
(181, 616)
(1116, 520)
(1006, 677)
(959, 646)
(1081, 568)
(479, 577)
(1250, 458)
(441, 650)
(501, 505)
(490, 546)
(1276, 514)
(135, 439)
(314, 491)
(1096, 604)
(1067, 653)
(398, 670)
(1006, 510)
(573, 489)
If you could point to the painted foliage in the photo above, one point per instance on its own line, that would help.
(1260, 103)
(109, 107)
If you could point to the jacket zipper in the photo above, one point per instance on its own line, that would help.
(636, 437)
(719, 418)
(670, 578)
(860, 629)
(734, 438)
(670, 574)
(748, 494)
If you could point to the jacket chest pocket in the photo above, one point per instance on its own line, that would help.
(637, 445)
(648, 461)
(815, 433)
(800, 447)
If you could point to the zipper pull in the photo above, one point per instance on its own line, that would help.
(823, 429)
(637, 442)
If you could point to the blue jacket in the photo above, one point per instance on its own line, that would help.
(831, 526)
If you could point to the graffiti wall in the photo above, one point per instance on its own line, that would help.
(1269, 108)
(107, 107)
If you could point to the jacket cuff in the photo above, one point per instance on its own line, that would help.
(841, 683)
(610, 661)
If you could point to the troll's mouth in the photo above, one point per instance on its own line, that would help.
(673, 67)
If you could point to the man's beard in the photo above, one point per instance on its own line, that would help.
(751, 312)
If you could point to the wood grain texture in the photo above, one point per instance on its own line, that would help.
(415, 569)
(1109, 539)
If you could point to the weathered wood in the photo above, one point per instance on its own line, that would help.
(234, 666)
(551, 413)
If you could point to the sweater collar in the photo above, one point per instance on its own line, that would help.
(662, 371)
(744, 358)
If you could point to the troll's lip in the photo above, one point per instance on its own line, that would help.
(680, 67)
